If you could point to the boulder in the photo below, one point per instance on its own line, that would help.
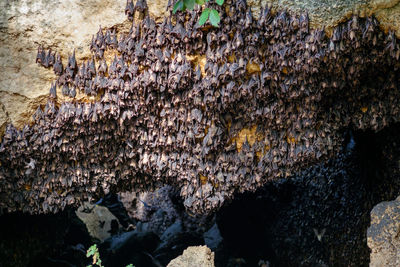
(384, 234)
(99, 221)
(200, 256)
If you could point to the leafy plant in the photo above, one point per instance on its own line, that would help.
(93, 251)
(207, 14)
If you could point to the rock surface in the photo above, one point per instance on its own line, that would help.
(200, 256)
(384, 234)
(59, 25)
(160, 209)
(330, 13)
(98, 219)
(212, 238)
(65, 25)
(162, 213)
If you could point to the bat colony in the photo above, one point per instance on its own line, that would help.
(163, 119)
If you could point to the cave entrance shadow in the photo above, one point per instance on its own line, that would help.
(318, 217)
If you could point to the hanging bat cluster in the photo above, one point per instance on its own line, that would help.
(45, 59)
(162, 119)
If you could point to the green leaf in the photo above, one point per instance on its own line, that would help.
(178, 6)
(189, 4)
(219, 2)
(204, 16)
(200, 2)
(91, 250)
(214, 18)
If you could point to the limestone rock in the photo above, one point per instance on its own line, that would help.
(384, 234)
(62, 25)
(3, 119)
(329, 13)
(98, 220)
(200, 256)
(158, 210)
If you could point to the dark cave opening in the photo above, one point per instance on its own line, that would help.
(318, 217)
(42, 240)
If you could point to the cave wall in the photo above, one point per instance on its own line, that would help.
(59, 25)
(213, 111)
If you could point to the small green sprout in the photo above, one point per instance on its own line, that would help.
(93, 251)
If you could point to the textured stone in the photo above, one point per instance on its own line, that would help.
(158, 210)
(3, 119)
(59, 25)
(384, 234)
(329, 13)
(98, 220)
(158, 9)
(200, 256)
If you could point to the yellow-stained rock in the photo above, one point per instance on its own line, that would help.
(158, 9)
(250, 134)
(390, 17)
(252, 68)
(198, 60)
(59, 25)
